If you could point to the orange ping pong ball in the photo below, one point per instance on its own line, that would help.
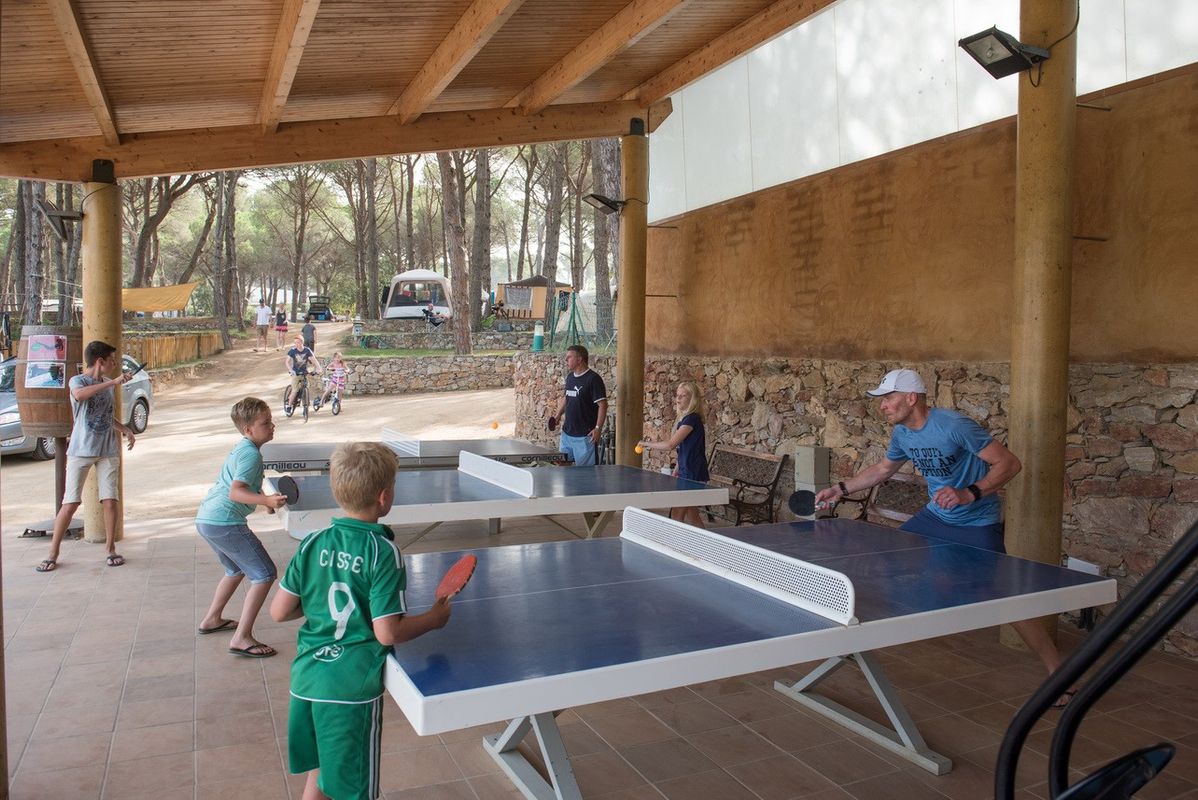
(494, 425)
(639, 449)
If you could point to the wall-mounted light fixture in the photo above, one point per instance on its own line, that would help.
(604, 204)
(1001, 54)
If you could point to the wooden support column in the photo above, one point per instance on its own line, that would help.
(1043, 261)
(630, 310)
(101, 268)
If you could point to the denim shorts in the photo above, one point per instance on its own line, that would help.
(239, 550)
(580, 448)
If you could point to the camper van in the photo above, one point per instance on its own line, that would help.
(410, 293)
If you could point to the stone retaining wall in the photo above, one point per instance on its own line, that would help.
(430, 338)
(394, 375)
(1131, 456)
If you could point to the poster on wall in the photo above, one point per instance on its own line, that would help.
(45, 375)
(49, 347)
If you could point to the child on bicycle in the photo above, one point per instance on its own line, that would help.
(300, 361)
(335, 377)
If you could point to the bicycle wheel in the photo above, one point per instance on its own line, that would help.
(304, 401)
(288, 409)
(336, 407)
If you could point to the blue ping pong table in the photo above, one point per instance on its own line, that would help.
(412, 453)
(482, 488)
(545, 627)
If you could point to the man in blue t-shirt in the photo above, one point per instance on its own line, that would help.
(964, 467)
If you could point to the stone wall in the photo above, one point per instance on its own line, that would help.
(1132, 452)
(393, 375)
(430, 338)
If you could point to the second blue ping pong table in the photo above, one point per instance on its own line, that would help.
(545, 627)
(482, 488)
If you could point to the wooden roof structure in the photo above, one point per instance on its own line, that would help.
(173, 86)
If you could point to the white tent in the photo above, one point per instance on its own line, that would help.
(410, 293)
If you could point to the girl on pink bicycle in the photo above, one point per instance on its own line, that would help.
(335, 375)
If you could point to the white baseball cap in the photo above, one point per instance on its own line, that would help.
(900, 380)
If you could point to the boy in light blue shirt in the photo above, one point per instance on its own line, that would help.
(221, 522)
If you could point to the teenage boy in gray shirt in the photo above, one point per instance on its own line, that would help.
(94, 442)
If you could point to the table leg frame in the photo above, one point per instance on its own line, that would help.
(503, 748)
(902, 739)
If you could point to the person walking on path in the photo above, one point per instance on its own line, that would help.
(263, 324)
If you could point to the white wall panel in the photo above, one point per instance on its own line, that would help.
(1101, 46)
(792, 104)
(895, 62)
(1161, 35)
(667, 166)
(865, 77)
(715, 120)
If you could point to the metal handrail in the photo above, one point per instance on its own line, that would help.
(1103, 638)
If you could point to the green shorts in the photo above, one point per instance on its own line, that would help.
(342, 740)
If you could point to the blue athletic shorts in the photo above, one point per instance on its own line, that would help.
(987, 537)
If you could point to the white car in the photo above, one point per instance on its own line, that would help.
(137, 401)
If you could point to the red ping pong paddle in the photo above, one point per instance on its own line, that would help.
(288, 488)
(456, 577)
(552, 423)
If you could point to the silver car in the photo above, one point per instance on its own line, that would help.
(137, 401)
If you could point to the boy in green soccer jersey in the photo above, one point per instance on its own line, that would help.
(347, 582)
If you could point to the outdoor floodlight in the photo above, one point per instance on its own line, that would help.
(1001, 54)
(604, 204)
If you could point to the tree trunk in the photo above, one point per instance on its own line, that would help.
(456, 239)
(555, 177)
(200, 242)
(220, 306)
(35, 264)
(58, 249)
(370, 186)
(530, 164)
(233, 291)
(410, 164)
(480, 246)
(606, 164)
(20, 223)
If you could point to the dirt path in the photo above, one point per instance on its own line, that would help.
(176, 460)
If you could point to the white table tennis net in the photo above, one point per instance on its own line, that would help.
(808, 586)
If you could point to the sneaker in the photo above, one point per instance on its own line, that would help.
(286, 409)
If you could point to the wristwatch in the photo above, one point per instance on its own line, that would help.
(975, 491)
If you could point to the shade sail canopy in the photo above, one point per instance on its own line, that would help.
(158, 298)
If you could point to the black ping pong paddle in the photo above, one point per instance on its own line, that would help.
(802, 503)
(288, 488)
(552, 423)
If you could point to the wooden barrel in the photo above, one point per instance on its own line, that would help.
(48, 356)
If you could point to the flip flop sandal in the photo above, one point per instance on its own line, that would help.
(49, 565)
(1063, 701)
(114, 560)
(254, 651)
(228, 624)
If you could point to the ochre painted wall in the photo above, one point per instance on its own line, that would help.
(908, 255)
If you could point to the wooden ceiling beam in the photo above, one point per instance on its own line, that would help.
(67, 21)
(470, 33)
(759, 28)
(290, 39)
(243, 147)
(635, 21)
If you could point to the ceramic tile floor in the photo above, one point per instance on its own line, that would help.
(112, 695)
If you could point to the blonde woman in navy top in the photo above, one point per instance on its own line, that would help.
(691, 440)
